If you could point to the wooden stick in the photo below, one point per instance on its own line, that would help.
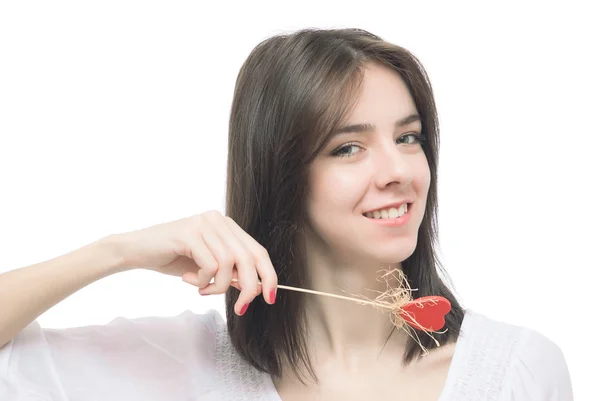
(326, 294)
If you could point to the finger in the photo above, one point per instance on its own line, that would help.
(207, 263)
(242, 261)
(220, 253)
(182, 265)
(191, 278)
(208, 290)
(234, 280)
(201, 259)
(235, 283)
(263, 263)
(245, 265)
(232, 252)
(222, 279)
(249, 289)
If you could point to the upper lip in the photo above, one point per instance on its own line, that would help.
(389, 205)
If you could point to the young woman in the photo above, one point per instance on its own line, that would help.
(332, 177)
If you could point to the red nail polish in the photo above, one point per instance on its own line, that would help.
(272, 296)
(244, 309)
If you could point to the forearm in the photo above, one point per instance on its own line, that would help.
(28, 292)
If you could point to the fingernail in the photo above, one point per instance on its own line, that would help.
(272, 296)
(244, 309)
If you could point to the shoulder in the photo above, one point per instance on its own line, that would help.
(122, 333)
(236, 378)
(510, 361)
(187, 322)
(155, 357)
(539, 368)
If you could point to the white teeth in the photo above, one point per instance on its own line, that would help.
(390, 213)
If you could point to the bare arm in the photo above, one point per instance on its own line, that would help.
(28, 292)
(174, 248)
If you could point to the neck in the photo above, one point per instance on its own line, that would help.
(342, 329)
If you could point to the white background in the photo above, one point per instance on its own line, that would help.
(114, 116)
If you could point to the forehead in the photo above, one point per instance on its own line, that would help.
(383, 97)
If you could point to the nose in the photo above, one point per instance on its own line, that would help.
(392, 168)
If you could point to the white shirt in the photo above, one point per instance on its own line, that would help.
(189, 357)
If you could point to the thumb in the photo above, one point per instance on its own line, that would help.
(179, 267)
(192, 279)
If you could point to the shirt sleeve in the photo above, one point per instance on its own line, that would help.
(153, 358)
(539, 371)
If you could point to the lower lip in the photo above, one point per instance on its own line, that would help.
(397, 222)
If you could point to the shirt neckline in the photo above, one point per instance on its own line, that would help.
(453, 370)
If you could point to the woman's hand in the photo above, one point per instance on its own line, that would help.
(200, 248)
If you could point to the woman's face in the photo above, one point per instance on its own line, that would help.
(360, 172)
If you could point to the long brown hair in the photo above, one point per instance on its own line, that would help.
(291, 93)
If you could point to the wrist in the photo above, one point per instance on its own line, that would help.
(113, 249)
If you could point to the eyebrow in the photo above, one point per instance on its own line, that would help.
(359, 128)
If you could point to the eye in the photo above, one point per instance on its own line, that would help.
(418, 138)
(346, 149)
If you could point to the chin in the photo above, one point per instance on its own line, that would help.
(393, 259)
(394, 253)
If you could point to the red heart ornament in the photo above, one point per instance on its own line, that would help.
(428, 311)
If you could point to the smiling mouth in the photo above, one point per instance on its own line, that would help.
(389, 213)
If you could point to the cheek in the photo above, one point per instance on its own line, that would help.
(336, 190)
(424, 177)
